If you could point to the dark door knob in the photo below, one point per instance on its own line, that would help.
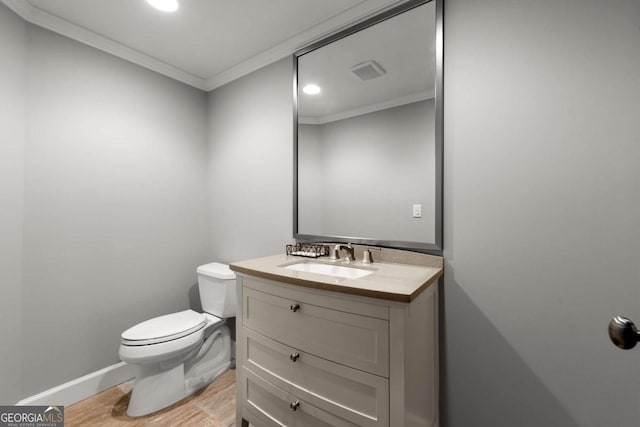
(623, 332)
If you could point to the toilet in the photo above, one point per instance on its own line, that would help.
(179, 353)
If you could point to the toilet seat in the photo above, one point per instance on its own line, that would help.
(166, 337)
(164, 328)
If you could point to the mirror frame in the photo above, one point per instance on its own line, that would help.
(434, 248)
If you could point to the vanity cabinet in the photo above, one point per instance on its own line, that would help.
(311, 357)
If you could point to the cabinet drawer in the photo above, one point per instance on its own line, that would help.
(357, 341)
(351, 394)
(262, 397)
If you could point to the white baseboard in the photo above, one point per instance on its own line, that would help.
(79, 389)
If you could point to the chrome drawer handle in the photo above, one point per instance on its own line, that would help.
(294, 356)
(294, 307)
(294, 405)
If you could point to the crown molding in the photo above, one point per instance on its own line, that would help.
(51, 22)
(391, 103)
(362, 11)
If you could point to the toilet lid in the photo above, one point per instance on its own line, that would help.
(165, 328)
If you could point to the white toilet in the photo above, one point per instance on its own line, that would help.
(182, 352)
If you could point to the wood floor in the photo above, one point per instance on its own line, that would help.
(213, 406)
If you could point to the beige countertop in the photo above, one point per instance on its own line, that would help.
(389, 280)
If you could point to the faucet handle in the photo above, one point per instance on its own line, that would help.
(366, 257)
(333, 252)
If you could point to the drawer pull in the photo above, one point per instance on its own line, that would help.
(294, 307)
(294, 356)
(294, 405)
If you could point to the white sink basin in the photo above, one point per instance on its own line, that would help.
(330, 270)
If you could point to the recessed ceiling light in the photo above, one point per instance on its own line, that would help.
(311, 89)
(164, 5)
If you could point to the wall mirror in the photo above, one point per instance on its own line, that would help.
(368, 132)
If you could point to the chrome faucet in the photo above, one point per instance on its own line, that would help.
(347, 248)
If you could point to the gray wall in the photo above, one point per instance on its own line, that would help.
(371, 170)
(251, 164)
(114, 205)
(542, 211)
(310, 180)
(12, 138)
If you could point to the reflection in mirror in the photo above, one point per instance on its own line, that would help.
(368, 143)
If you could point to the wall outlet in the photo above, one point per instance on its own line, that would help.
(417, 211)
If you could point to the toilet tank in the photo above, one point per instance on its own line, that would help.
(217, 286)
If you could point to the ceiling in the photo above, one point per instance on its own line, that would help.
(206, 43)
(404, 46)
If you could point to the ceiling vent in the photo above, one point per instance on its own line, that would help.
(368, 70)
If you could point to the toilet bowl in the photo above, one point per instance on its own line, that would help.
(179, 353)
